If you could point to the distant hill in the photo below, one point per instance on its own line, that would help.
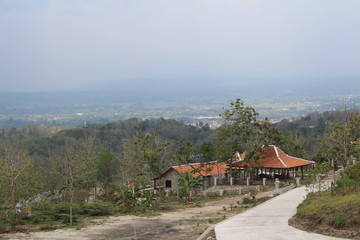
(43, 139)
(311, 127)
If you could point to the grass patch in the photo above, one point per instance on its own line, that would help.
(337, 211)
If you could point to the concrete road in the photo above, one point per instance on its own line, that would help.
(268, 221)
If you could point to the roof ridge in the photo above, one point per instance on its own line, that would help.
(193, 164)
(300, 158)
(278, 157)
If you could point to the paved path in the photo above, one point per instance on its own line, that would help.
(268, 221)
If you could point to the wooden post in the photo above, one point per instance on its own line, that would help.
(302, 172)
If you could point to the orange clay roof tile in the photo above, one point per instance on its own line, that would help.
(204, 169)
(273, 157)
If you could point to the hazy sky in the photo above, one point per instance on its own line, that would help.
(85, 44)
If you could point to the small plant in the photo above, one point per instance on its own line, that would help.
(168, 226)
(197, 204)
(247, 200)
(224, 208)
(338, 221)
(210, 220)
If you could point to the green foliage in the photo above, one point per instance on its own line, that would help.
(320, 169)
(183, 150)
(47, 213)
(188, 183)
(354, 172)
(345, 184)
(239, 127)
(144, 155)
(207, 150)
(18, 175)
(326, 208)
(317, 174)
(338, 221)
(349, 180)
(338, 143)
(135, 200)
(126, 197)
(293, 146)
(247, 200)
(107, 164)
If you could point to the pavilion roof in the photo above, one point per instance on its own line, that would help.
(199, 169)
(273, 157)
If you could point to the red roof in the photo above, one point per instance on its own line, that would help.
(203, 169)
(272, 157)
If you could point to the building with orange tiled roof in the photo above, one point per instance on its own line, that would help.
(273, 161)
(206, 171)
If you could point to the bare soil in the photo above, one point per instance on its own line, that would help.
(186, 224)
(322, 228)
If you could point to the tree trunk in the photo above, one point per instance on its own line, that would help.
(71, 206)
(13, 195)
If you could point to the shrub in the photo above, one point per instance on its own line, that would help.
(338, 221)
(345, 184)
(96, 209)
(354, 172)
(247, 200)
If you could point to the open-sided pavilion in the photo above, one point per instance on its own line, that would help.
(272, 163)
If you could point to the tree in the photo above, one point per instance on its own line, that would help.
(338, 143)
(267, 134)
(188, 183)
(239, 129)
(293, 145)
(183, 151)
(79, 167)
(106, 166)
(18, 176)
(207, 151)
(86, 154)
(144, 155)
(317, 173)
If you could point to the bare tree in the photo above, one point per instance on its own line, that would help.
(18, 177)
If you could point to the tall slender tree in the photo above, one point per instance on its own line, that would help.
(18, 176)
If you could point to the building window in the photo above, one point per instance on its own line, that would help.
(168, 184)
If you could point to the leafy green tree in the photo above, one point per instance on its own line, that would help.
(207, 150)
(183, 151)
(86, 154)
(318, 173)
(267, 134)
(239, 129)
(106, 167)
(188, 183)
(338, 143)
(145, 154)
(293, 145)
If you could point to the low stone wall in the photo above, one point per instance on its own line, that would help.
(275, 192)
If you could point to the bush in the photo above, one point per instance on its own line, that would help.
(45, 213)
(96, 209)
(345, 184)
(247, 200)
(338, 221)
(354, 172)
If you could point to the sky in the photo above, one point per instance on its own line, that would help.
(66, 45)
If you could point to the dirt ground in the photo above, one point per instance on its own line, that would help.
(310, 226)
(186, 224)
